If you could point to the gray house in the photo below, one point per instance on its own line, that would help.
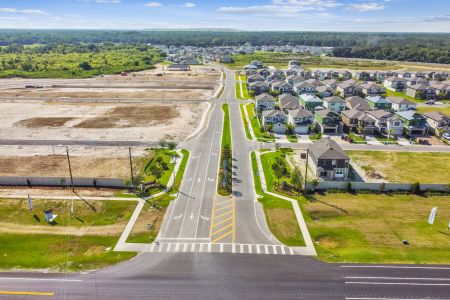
(327, 160)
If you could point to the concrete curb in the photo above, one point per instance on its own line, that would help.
(309, 249)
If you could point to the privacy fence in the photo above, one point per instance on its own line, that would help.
(62, 182)
(372, 186)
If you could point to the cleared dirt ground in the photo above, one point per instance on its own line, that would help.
(157, 84)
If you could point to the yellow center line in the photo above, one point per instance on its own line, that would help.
(222, 208)
(221, 222)
(222, 229)
(221, 215)
(212, 218)
(234, 222)
(27, 293)
(221, 237)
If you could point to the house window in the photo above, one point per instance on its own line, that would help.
(333, 162)
(339, 173)
(323, 174)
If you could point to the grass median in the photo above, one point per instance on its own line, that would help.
(225, 171)
(244, 120)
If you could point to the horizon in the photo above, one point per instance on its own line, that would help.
(369, 16)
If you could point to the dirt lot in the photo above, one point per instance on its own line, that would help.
(198, 84)
(56, 165)
(99, 121)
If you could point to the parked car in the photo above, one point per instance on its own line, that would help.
(430, 102)
(446, 136)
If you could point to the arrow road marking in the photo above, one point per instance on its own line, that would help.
(178, 217)
(204, 218)
(191, 216)
(210, 179)
(199, 179)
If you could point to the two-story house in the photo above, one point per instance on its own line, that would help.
(372, 89)
(301, 120)
(259, 87)
(310, 102)
(332, 83)
(401, 104)
(304, 88)
(438, 122)
(282, 87)
(421, 91)
(357, 121)
(324, 91)
(358, 103)
(386, 123)
(264, 102)
(334, 103)
(255, 78)
(414, 123)
(328, 121)
(288, 102)
(327, 160)
(378, 102)
(275, 120)
(395, 84)
(347, 89)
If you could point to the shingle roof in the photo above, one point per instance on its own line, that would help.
(379, 113)
(326, 148)
(436, 115)
(265, 97)
(288, 101)
(300, 113)
(273, 112)
(358, 103)
(334, 99)
(399, 100)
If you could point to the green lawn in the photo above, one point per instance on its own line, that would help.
(268, 159)
(85, 213)
(260, 136)
(59, 253)
(182, 168)
(374, 227)
(409, 167)
(166, 156)
(442, 109)
(383, 139)
(245, 91)
(292, 138)
(357, 138)
(279, 213)
(244, 120)
(238, 92)
(403, 95)
(226, 143)
(315, 136)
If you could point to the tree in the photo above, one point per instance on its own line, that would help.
(156, 171)
(172, 145)
(85, 66)
(278, 172)
(290, 129)
(296, 178)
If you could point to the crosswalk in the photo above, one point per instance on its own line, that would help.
(163, 247)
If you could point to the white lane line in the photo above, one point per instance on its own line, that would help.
(201, 248)
(204, 184)
(233, 248)
(192, 247)
(185, 247)
(168, 247)
(152, 247)
(283, 250)
(221, 248)
(189, 197)
(397, 267)
(351, 298)
(177, 246)
(160, 247)
(257, 249)
(397, 283)
(250, 250)
(241, 248)
(291, 251)
(274, 248)
(41, 279)
(399, 278)
(266, 249)
(209, 247)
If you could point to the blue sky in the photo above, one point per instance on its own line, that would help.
(303, 15)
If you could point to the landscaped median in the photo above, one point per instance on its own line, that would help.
(244, 120)
(226, 161)
(260, 135)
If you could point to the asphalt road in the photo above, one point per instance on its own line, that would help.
(227, 276)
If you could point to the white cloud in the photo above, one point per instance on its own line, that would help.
(153, 4)
(189, 4)
(23, 11)
(282, 7)
(369, 6)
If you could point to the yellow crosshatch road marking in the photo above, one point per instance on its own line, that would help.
(24, 293)
(224, 214)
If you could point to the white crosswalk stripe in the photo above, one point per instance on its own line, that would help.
(163, 247)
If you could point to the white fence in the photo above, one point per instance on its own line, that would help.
(62, 181)
(372, 186)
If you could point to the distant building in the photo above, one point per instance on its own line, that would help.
(178, 67)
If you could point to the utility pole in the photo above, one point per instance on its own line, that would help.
(70, 168)
(306, 171)
(131, 168)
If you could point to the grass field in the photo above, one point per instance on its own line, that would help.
(292, 138)
(442, 109)
(366, 235)
(409, 167)
(268, 159)
(80, 241)
(244, 120)
(357, 138)
(260, 136)
(403, 95)
(279, 213)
